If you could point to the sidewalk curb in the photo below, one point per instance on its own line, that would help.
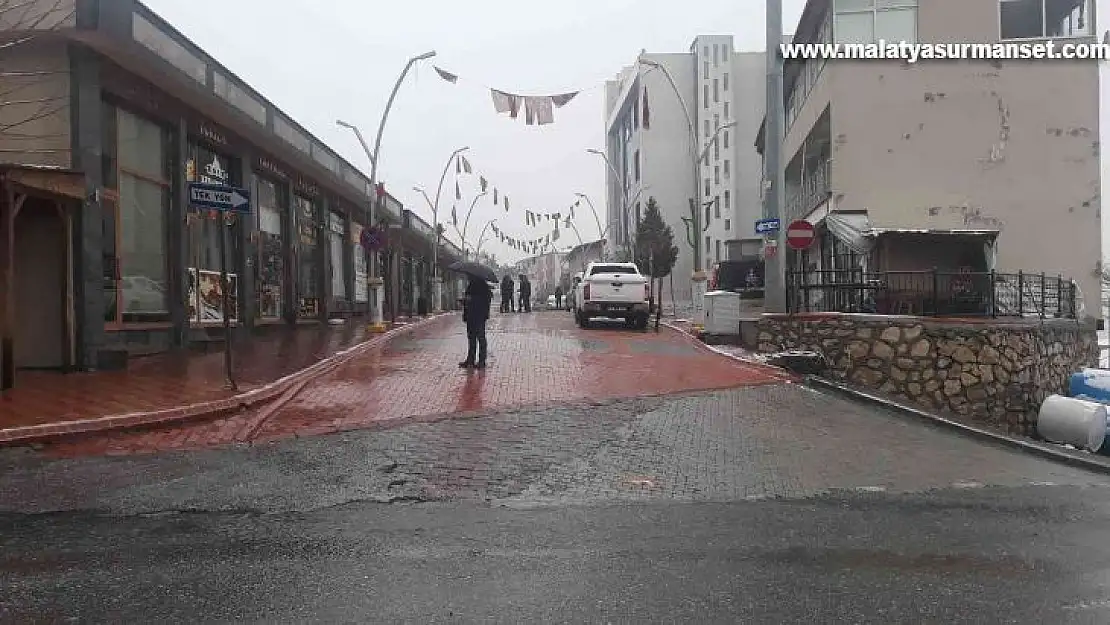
(219, 407)
(782, 374)
(1027, 446)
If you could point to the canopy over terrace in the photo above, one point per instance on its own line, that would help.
(39, 207)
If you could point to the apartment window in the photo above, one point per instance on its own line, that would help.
(717, 207)
(716, 90)
(728, 225)
(728, 201)
(708, 189)
(716, 122)
(708, 131)
(717, 174)
(726, 139)
(705, 96)
(726, 111)
(866, 21)
(727, 171)
(705, 51)
(716, 150)
(724, 81)
(1030, 19)
(716, 54)
(717, 249)
(636, 165)
(708, 215)
(705, 70)
(708, 244)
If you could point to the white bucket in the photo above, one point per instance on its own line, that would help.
(1072, 421)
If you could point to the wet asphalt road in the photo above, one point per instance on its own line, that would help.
(760, 505)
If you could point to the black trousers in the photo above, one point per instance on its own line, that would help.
(525, 304)
(476, 345)
(507, 304)
(558, 301)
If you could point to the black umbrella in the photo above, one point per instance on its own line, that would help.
(474, 269)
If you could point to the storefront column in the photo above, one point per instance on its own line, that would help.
(89, 232)
(327, 292)
(177, 247)
(290, 303)
(248, 244)
(349, 264)
(323, 278)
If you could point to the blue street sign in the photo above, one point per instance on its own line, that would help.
(766, 226)
(219, 197)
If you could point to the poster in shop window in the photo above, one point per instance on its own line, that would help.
(362, 294)
(205, 298)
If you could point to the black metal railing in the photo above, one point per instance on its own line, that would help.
(932, 293)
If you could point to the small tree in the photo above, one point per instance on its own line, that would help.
(656, 253)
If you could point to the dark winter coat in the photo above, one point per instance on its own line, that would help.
(477, 302)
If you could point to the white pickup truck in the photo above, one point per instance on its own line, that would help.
(613, 291)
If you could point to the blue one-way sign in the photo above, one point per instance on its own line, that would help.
(766, 226)
(219, 197)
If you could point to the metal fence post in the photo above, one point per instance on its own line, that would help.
(994, 295)
(1042, 294)
(936, 294)
(805, 288)
(1021, 294)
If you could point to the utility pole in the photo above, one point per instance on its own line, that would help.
(773, 196)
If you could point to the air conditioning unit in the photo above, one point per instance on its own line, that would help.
(722, 313)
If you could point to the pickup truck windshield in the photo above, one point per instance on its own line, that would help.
(612, 269)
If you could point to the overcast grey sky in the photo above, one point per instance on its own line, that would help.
(320, 61)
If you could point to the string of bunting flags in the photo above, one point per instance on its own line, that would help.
(534, 246)
(538, 110)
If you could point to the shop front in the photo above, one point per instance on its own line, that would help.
(306, 213)
(204, 293)
(337, 262)
(272, 204)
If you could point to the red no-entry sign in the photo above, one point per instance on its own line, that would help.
(800, 234)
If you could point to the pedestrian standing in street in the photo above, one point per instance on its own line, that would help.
(507, 294)
(559, 297)
(476, 304)
(525, 294)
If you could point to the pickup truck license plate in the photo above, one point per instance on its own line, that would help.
(618, 307)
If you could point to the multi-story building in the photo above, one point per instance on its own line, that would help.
(662, 114)
(102, 254)
(973, 165)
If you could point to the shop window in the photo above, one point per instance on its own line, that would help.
(136, 284)
(307, 257)
(204, 296)
(270, 269)
(337, 231)
(1031, 19)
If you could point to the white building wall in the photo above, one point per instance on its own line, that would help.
(666, 152)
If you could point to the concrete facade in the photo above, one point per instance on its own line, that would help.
(1002, 154)
(716, 85)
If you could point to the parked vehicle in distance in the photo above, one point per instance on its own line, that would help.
(744, 277)
(613, 291)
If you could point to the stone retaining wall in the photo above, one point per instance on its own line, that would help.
(991, 371)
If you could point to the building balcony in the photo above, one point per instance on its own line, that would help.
(806, 195)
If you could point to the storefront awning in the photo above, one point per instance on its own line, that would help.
(980, 233)
(51, 181)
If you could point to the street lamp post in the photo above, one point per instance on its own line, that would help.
(374, 281)
(437, 286)
(623, 208)
(699, 276)
(775, 265)
(481, 238)
(593, 210)
(466, 221)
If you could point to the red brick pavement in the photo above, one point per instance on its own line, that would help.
(166, 383)
(538, 358)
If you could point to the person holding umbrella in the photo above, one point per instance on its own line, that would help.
(476, 305)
